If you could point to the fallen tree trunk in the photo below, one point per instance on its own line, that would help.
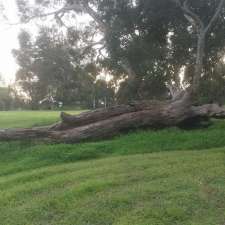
(104, 123)
(71, 121)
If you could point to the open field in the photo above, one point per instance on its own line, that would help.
(167, 177)
(18, 119)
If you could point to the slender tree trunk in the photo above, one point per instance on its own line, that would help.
(202, 32)
(199, 61)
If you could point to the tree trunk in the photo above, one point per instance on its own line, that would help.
(105, 123)
(199, 62)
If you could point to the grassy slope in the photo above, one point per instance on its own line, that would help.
(136, 179)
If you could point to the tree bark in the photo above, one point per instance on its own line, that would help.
(202, 32)
(105, 123)
(199, 62)
(89, 117)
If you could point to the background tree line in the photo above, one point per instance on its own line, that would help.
(148, 48)
(53, 72)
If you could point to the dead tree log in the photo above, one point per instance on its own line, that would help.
(105, 123)
(70, 121)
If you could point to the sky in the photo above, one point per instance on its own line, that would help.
(9, 37)
(8, 41)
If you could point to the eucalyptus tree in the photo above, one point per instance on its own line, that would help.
(50, 69)
(146, 41)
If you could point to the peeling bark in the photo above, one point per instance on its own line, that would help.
(202, 32)
(105, 123)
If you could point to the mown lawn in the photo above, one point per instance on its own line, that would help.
(167, 177)
(19, 119)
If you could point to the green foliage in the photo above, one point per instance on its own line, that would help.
(5, 98)
(52, 71)
(157, 41)
(212, 87)
(153, 36)
(9, 99)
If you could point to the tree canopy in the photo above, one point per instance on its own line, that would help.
(148, 46)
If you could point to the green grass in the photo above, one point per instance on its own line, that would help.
(19, 119)
(143, 178)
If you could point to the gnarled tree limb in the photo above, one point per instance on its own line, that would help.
(202, 31)
(107, 123)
